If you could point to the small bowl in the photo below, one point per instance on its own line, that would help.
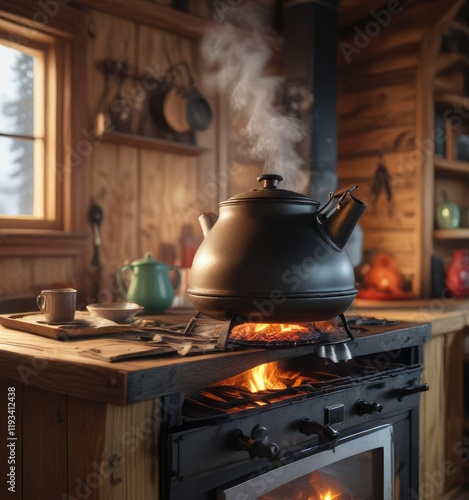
(115, 311)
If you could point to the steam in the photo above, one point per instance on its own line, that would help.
(239, 59)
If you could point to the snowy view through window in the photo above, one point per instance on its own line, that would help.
(16, 132)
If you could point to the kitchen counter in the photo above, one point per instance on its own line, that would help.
(73, 414)
(58, 366)
(446, 316)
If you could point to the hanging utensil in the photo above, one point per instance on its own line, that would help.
(95, 216)
(179, 108)
(100, 120)
(120, 111)
(198, 110)
(382, 180)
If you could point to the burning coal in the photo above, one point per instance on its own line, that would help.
(238, 60)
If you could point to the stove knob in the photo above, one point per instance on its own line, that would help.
(309, 427)
(256, 445)
(365, 407)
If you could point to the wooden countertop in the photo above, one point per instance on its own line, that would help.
(445, 315)
(57, 366)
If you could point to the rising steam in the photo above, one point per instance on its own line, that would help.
(238, 60)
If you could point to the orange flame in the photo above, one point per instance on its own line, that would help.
(264, 377)
(281, 332)
(329, 496)
(268, 332)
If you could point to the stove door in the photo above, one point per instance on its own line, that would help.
(360, 467)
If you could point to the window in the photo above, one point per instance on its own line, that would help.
(21, 132)
(28, 194)
(42, 118)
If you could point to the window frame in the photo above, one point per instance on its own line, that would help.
(63, 35)
(44, 127)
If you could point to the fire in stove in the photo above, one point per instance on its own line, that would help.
(288, 333)
(264, 377)
(273, 332)
(315, 486)
(267, 384)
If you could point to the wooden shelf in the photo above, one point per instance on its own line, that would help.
(152, 143)
(451, 99)
(447, 60)
(164, 18)
(451, 166)
(461, 233)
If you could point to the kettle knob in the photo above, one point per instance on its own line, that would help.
(270, 181)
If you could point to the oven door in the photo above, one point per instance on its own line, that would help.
(359, 467)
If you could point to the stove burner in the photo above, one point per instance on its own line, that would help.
(370, 321)
(315, 337)
(294, 335)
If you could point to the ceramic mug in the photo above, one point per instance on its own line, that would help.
(58, 304)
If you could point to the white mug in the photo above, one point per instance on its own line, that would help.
(58, 304)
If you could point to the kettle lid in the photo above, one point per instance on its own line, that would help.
(270, 192)
(148, 260)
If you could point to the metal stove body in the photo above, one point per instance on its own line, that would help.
(357, 399)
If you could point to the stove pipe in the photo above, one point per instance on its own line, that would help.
(311, 32)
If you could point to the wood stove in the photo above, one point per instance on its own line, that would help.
(345, 426)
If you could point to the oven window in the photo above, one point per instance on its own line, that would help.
(345, 480)
(359, 467)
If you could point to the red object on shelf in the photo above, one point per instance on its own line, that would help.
(457, 275)
(375, 294)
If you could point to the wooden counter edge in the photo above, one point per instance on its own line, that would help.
(95, 382)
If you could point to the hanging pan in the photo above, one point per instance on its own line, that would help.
(198, 111)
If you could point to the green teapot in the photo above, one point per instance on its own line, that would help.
(150, 286)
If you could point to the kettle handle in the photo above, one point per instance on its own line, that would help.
(120, 283)
(335, 198)
(178, 277)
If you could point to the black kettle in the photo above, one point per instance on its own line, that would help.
(274, 255)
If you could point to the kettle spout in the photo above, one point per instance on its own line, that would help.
(338, 218)
(207, 221)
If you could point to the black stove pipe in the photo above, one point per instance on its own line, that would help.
(311, 31)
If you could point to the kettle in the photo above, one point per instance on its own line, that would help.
(274, 255)
(151, 285)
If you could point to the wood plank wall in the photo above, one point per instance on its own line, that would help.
(380, 114)
(147, 196)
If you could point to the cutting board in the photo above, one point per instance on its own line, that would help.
(84, 325)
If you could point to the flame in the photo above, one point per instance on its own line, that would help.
(320, 488)
(281, 332)
(269, 332)
(263, 378)
(329, 495)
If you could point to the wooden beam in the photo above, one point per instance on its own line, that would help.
(162, 17)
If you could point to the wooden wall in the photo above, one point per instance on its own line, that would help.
(147, 196)
(384, 112)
